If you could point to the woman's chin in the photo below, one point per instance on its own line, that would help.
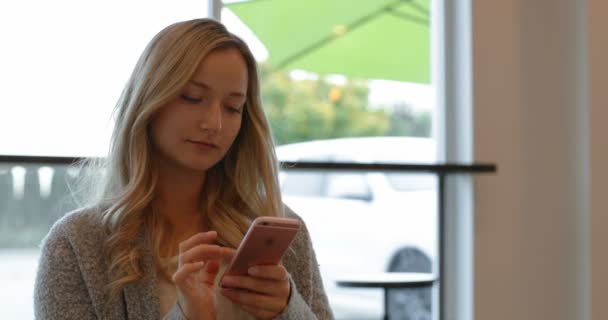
(199, 165)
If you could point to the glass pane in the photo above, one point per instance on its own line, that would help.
(32, 198)
(348, 186)
(312, 90)
(370, 230)
(406, 182)
(333, 90)
(303, 184)
(63, 64)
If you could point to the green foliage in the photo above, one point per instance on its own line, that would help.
(303, 110)
(316, 109)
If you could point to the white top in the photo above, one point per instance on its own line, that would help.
(166, 289)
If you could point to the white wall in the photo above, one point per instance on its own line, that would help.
(539, 112)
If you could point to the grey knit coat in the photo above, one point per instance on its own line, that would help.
(72, 274)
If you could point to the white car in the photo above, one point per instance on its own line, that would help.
(364, 222)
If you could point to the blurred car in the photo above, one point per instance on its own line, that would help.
(364, 222)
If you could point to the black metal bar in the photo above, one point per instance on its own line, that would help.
(441, 240)
(38, 160)
(349, 166)
(447, 168)
(386, 315)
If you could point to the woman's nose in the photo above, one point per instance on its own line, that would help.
(212, 119)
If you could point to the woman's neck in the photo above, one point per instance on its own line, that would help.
(178, 200)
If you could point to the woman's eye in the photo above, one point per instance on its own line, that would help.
(233, 109)
(190, 99)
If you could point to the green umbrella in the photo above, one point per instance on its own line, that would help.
(372, 39)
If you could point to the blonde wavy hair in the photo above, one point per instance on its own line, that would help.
(240, 187)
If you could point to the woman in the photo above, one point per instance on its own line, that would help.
(191, 164)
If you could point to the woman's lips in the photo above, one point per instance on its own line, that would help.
(204, 144)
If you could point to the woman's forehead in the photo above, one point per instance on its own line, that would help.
(222, 70)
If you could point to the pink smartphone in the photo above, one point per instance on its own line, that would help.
(264, 243)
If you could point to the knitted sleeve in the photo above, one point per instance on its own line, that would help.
(308, 299)
(60, 291)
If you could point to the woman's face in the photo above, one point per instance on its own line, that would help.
(196, 129)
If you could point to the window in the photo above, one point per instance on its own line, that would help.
(303, 184)
(64, 64)
(329, 96)
(348, 186)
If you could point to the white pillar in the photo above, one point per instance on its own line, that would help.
(214, 9)
(451, 25)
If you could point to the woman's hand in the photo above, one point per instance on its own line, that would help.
(263, 293)
(198, 265)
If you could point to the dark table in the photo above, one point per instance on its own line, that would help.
(387, 280)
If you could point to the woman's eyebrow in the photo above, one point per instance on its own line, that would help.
(207, 87)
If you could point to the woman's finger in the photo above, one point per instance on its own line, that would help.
(255, 300)
(203, 252)
(210, 272)
(263, 286)
(199, 238)
(270, 272)
(180, 277)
